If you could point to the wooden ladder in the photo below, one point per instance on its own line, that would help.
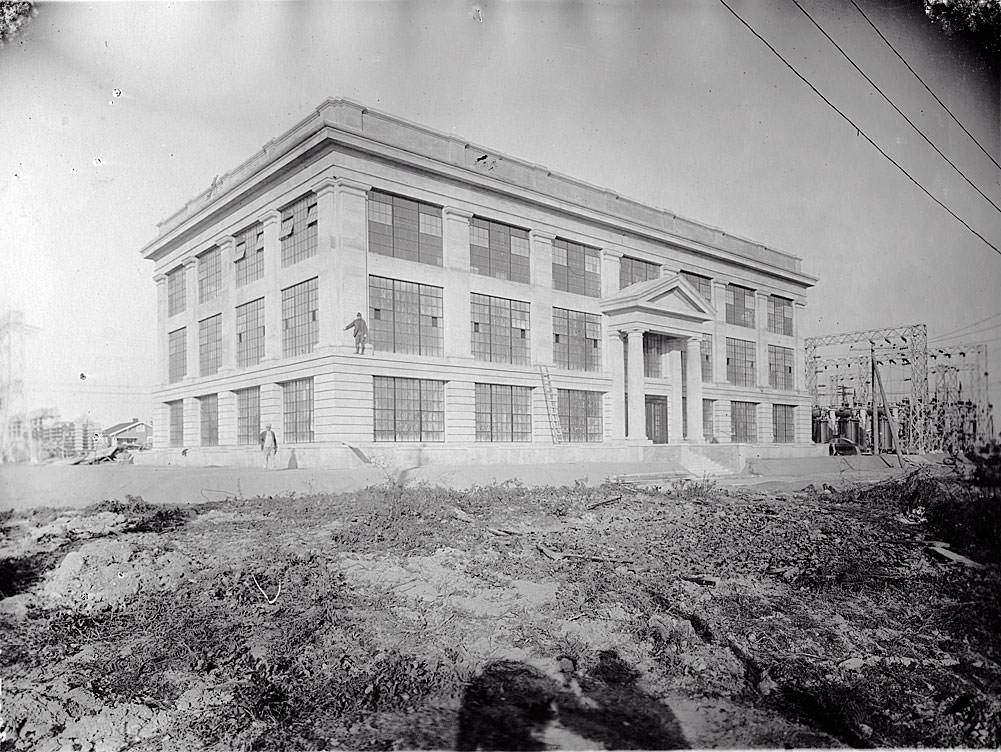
(551, 405)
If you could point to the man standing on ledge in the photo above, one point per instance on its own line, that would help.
(361, 333)
(269, 445)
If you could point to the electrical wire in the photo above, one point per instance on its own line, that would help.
(927, 88)
(968, 326)
(963, 335)
(894, 106)
(858, 130)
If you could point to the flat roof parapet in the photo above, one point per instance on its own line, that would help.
(351, 117)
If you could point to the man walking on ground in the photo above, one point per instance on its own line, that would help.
(269, 445)
(361, 333)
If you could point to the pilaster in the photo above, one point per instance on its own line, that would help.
(719, 334)
(541, 244)
(350, 244)
(191, 317)
(636, 386)
(722, 422)
(761, 337)
(329, 325)
(799, 352)
(460, 411)
(542, 308)
(192, 422)
(694, 389)
(765, 423)
(227, 418)
(227, 343)
(161, 334)
(271, 410)
(455, 299)
(611, 262)
(161, 425)
(271, 223)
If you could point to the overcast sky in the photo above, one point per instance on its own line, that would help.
(673, 103)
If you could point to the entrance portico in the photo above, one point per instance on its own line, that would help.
(671, 314)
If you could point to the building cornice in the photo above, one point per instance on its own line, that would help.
(340, 122)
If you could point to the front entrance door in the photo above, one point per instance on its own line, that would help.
(656, 419)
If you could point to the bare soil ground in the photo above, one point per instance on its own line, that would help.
(506, 617)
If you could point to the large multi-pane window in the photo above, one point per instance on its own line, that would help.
(248, 255)
(498, 250)
(405, 317)
(300, 318)
(177, 356)
(706, 353)
(633, 270)
(501, 330)
(298, 230)
(250, 333)
(209, 275)
(248, 415)
(739, 305)
(503, 413)
(297, 409)
(176, 424)
(580, 414)
(576, 340)
(209, 408)
(176, 294)
(780, 365)
(704, 285)
(743, 422)
(209, 345)
(404, 228)
(783, 423)
(409, 409)
(708, 430)
(576, 268)
(740, 359)
(655, 347)
(779, 315)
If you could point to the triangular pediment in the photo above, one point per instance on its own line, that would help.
(666, 296)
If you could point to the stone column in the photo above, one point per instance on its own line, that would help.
(675, 424)
(227, 343)
(161, 333)
(326, 226)
(455, 302)
(542, 309)
(614, 347)
(637, 386)
(271, 223)
(350, 257)
(611, 261)
(694, 387)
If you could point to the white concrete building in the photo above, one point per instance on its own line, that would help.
(506, 306)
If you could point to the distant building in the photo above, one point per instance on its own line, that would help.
(514, 314)
(132, 433)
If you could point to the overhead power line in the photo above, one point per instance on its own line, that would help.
(927, 88)
(858, 129)
(967, 335)
(894, 106)
(968, 326)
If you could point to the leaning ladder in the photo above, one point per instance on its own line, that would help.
(551, 410)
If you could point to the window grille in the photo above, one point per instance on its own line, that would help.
(176, 411)
(300, 318)
(576, 268)
(740, 362)
(404, 228)
(783, 423)
(176, 293)
(704, 285)
(209, 345)
(739, 305)
(580, 415)
(780, 367)
(576, 340)
(297, 401)
(498, 250)
(779, 315)
(177, 360)
(742, 418)
(250, 333)
(298, 231)
(501, 329)
(209, 275)
(209, 408)
(409, 410)
(503, 413)
(633, 270)
(248, 256)
(405, 317)
(248, 415)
